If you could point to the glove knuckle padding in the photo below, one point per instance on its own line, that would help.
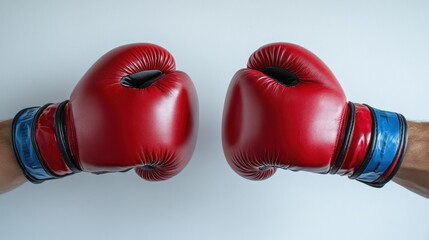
(134, 58)
(131, 109)
(267, 125)
(287, 110)
(125, 126)
(301, 62)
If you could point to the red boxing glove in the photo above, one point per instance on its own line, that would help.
(286, 110)
(132, 109)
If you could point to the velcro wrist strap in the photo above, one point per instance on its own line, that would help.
(25, 147)
(388, 138)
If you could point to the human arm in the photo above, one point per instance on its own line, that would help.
(11, 175)
(414, 171)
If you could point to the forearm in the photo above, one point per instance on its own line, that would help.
(11, 175)
(414, 171)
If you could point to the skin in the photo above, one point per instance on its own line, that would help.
(11, 175)
(413, 173)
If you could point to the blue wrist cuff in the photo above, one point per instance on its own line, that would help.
(387, 137)
(24, 146)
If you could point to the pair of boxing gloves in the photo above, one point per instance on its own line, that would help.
(132, 109)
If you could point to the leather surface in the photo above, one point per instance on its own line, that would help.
(359, 142)
(115, 128)
(47, 142)
(286, 110)
(267, 125)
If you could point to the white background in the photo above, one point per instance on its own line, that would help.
(378, 51)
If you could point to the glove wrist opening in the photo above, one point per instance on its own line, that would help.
(24, 145)
(383, 159)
